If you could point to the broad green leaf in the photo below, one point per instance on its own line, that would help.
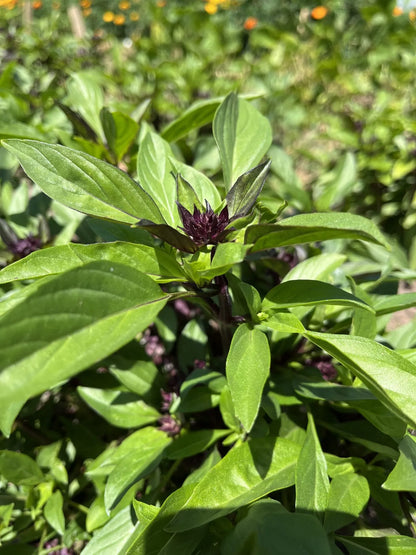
(309, 228)
(20, 469)
(114, 537)
(332, 392)
(154, 174)
(69, 323)
(348, 495)
(386, 545)
(284, 322)
(312, 483)
(243, 194)
(309, 292)
(243, 136)
(83, 182)
(139, 376)
(54, 513)
(121, 134)
(192, 443)
(134, 466)
(225, 257)
(246, 473)
(119, 408)
(389, 376)
(56, 260)
(403, 475)
(247, 368)
(268, 529)
(336, 186)
(211, 460)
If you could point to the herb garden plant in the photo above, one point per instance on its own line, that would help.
(212, 373)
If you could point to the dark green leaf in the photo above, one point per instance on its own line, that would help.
(243, 194)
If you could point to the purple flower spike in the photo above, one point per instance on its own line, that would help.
(204, 228)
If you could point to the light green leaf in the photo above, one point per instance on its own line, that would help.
(19, 469)
(54, 513)
(87, 97)
(202, 185)
(125, 132)
(243, 136)
(309, 228)
(225, 257)
(318, 267)
(56, 260)
(386, 545)
(154, 174)
(247, 368)
(309, 292)
(139, 376)
(284, 322)
(389, 376)
(69, 323)
(403, 475)
(135, 465)
(246, 473)
(83, 182)
(118, 407)
(348, 495)
(336, 186)
(392, 303)
(312, 483)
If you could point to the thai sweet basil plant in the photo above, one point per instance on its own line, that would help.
(216, 366)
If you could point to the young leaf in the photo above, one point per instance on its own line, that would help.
(308, 228)
(243, 136)
(83, 182)
(312, 483)
(186, 195)
(389, 376)
(247, 368)
(20, 469)
(53, 512)
(243, 194)
(68, 323)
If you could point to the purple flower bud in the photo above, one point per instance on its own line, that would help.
(167, 399)
(169, 425)
(204, 228)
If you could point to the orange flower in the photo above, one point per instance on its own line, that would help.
(36, 4)
(85, 4)
(412, 15)
(160, 3)
(250, 23)
(124, 5)
(397, 11)
(210, 8)
(108, 17)
(119, 19)
(134, 16)
(319, 12)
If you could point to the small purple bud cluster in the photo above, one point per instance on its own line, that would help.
(55, 542)
(169, 425)
(153, 346)
(22, 247)
(204, 228)
(325, 367)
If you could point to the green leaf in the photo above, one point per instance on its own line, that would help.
(386, 545)
(83, 182)
(246, 473)
(202, 185)
(114, 537)
(268, 529)
(389, 376)
(135, 465)
(192, 443)
(284, 322)
(20, 469)
(309, 292)
(56, 260)
(186, 195)
(392, 303)
(139, 376)
(120, 131)
(403, 475)
(86, 96)
(348, 495)
(336, 186)
(319, 267)
(154, 174)
(54, 513)
(68, 323)
(198, 115)
(118, 407)
(243, 136)
(169, 234)
(309, 228)
(247, 368)
(226, 256)
(243, 194)
(312, 483)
